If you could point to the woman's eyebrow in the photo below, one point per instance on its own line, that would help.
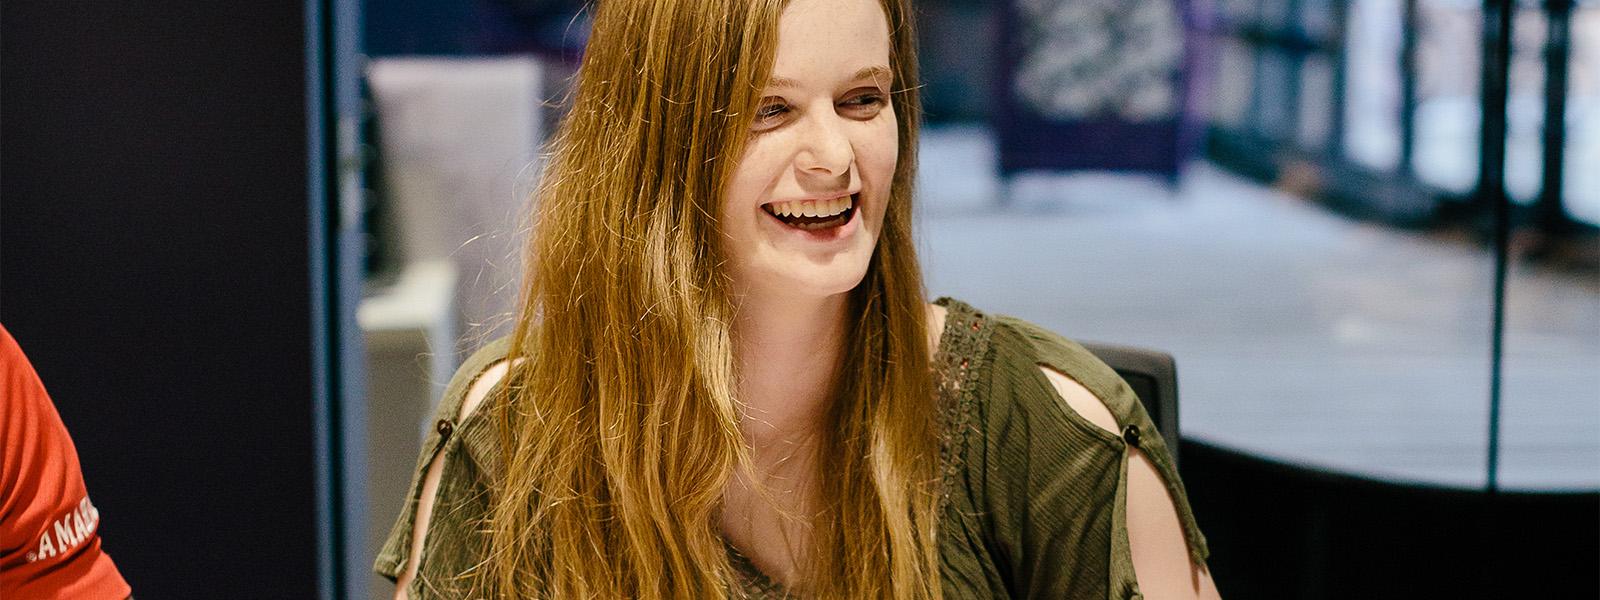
(872, 72)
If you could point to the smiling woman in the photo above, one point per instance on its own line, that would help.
(725, 378)
(804, 207)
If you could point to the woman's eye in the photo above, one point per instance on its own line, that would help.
(866, 104)
(771, 110)
(768, 115)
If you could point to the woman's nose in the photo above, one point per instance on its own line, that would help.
(826, 148)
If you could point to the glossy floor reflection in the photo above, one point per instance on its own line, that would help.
(1300, 335)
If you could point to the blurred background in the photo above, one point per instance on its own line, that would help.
(246, 245)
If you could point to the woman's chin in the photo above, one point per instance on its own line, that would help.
(812, 281)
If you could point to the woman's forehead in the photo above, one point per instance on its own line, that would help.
(827, 42)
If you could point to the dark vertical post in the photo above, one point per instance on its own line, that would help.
(1295, 52)
(1549, 214)
(1003, 118)
(1257, 125)
(333, 54)
(1337, 47)
(324, 407)
(1408, 85)
(1491, 194)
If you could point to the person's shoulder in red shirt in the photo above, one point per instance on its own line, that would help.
(49, 530)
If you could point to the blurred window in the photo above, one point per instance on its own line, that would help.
(1449, 50)
(1372, 84)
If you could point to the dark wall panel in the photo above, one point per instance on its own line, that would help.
(154, 265)
(1278, 531)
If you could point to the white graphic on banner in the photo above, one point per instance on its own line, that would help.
(1086, 59)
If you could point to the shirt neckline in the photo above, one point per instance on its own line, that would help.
(957, 361)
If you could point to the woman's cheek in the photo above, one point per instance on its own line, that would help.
(751, 178)
(883, 150)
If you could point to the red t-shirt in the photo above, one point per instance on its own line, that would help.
(49, 531)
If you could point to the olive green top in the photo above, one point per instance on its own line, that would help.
(1034, 494)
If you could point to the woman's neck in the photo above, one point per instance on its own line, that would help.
(787, 352)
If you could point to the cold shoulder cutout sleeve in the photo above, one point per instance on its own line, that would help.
(1054, 483)
(464, 447)
(1035, 495)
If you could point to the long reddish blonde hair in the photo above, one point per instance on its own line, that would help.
(621, 431)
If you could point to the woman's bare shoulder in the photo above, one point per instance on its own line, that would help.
(485, 382)
(479, 375)
(936, 315)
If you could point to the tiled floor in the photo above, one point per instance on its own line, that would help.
(1300, 335)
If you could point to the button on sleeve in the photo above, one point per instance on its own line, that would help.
(1130, 434)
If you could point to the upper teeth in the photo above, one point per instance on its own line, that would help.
(811, 208)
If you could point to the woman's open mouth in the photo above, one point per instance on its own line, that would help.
(812, 215)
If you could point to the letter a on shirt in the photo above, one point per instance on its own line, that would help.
(49, 529)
